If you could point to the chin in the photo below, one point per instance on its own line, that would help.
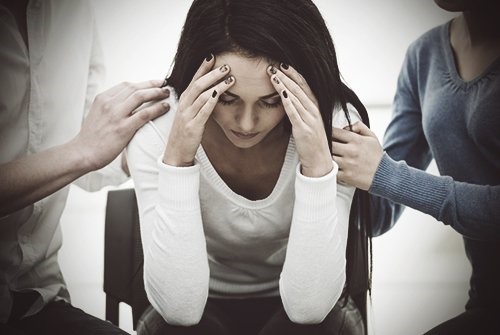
(455, 5)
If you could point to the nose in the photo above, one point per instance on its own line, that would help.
(247, 119)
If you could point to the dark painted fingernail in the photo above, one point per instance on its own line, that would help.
(228, 80)
(209, 58)
(214, 94)
(285, 95)
(284, 66)
(224, 68)
(273, 70)
(276, 80)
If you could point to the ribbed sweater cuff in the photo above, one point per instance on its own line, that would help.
(409, 186)
(315, 197)
(178, 187)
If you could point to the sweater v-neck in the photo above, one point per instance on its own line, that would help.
(452, 65)
(213, 177)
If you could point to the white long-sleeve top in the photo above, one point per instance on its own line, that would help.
(202, 239)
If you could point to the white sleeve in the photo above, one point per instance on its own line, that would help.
(176, 272)
(314, 271)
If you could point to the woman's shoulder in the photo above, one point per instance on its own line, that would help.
(153, 135)
(339, 119)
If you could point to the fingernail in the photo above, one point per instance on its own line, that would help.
(228, 80)
(224, 68)
(166, 90)
(214, 94)
(166, 105)
(285, 95)
(284, 66)
(209, 58)
(276, 80)
(273, 70)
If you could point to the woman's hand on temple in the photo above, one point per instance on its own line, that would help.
(307, 124)
(195, 107)
(358, 154)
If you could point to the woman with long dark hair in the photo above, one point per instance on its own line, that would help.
(244, 227)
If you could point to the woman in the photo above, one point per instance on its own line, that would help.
(243, 225)
(446, 108)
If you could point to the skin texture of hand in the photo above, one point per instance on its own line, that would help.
(113, 119)
(358, 154)
(115, 116)
(307, 124)
(196, 104)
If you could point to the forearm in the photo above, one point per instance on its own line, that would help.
(176, 261)
(28, 179)
(470, 209)
(313, 275)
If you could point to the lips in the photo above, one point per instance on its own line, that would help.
(244, 136)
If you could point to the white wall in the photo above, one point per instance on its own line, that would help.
(420, 272)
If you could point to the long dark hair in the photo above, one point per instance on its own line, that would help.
(293, 32)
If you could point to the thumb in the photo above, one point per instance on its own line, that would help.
(360, 128)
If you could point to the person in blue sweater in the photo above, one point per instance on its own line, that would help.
(446, 108)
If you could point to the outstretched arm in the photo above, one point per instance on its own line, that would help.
(113, 119)
(470, 209)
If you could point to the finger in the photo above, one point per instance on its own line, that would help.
(204, 68)
(299, 79)
(341, 176)
(342, 135)
(203, 98)
(196, 88)
(138, 119)
(305, 115)
(340, 149)
(296, 90)
(126, 88)
(137, 98)
(207, 109)
(360, 128)
(290, 110)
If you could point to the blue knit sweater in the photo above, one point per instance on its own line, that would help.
(439, 116)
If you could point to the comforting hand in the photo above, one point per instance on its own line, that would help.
(307, 124)
(358, 154)
(195, 107)
(115, 116)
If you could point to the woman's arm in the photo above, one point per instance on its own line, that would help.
(176, 272)
(397, 178)
(314, 271)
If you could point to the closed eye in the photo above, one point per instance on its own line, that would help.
(272, 102)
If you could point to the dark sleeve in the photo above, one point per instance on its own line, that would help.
(472, 210)
(404, 140)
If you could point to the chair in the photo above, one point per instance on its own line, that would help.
(123, 260)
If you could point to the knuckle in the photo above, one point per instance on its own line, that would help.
(107, 106)
(197, 86)
(139, 96)
(127, 84)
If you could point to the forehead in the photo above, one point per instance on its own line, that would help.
(252, 80)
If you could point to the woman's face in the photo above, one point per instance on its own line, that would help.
(251, 108)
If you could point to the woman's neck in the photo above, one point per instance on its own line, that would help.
(479, 27)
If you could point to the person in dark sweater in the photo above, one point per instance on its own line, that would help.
(447, 108)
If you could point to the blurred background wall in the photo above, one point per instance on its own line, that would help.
(420, 271)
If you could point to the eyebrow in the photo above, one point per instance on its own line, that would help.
(263, 97)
